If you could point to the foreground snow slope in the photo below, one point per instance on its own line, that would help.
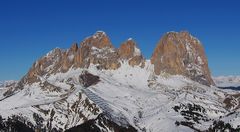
(129, 96)
(147, 101)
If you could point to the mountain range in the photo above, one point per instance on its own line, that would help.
(93, 86)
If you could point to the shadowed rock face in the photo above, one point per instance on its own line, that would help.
(180, 53)
(87, 79)
(101, 123)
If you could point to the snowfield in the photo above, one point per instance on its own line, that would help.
(7, 83)
(128, 95)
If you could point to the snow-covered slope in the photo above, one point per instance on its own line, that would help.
(227, 81)
(7, 83)
(128, 96)
(5, 86)
(96, 87)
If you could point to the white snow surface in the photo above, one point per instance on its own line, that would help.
(7, 83)
(145, 100)
(137, 51)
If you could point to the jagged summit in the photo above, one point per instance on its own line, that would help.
(129, 51)
(100, 32)
(130, 39)
(181, 53)
(98, 40)
(74, 47)
(177, 53)
(96, 49)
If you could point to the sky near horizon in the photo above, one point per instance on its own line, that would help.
(31, 28)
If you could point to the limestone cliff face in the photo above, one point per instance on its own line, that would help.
(129, 51)
(68, 58)
(176, 53)
(97, 50)
(99, 40)
(180, 53)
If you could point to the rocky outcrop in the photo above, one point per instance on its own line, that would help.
(68, 58)
(46, 65)
(101, 123)
(87, 79)
(57, 60)
(97, 50)
(180, 53)
(176, 53)
(129, 51)
(99, 40)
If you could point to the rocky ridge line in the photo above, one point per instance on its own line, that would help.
(177, 53)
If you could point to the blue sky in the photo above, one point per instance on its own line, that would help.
(31, 28)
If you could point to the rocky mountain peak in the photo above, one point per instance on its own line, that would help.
(99, 34)
(98, 40)
(129, 51)
(98, 50)
(128, 48)
(181, 53)
(48, 64)
(176, 53)
(74, 47)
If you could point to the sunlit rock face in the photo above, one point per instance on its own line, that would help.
(177, 53)
(129, 51)
(97, 50)
(180, 53)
